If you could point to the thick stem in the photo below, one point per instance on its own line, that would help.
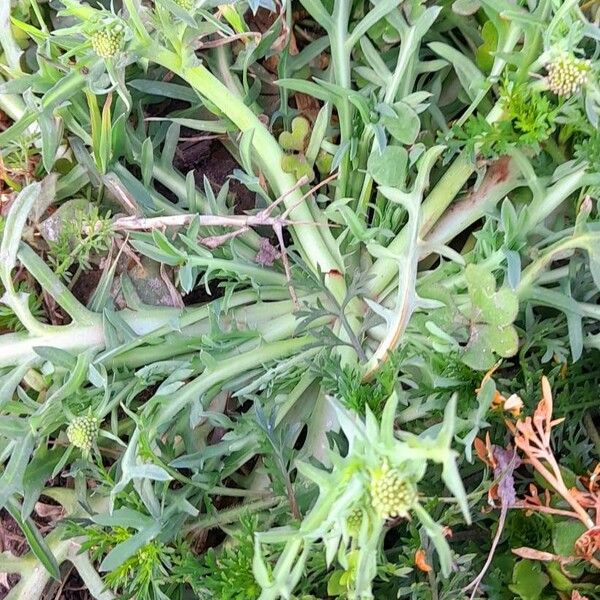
(441, 196)
(340, 71)
(51, 284)
(502, 177)
(17, 348)
(225, 370)
(267, 151)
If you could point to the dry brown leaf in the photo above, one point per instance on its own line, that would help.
(421, 562)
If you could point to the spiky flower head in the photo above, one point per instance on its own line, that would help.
(108, 40)
(82, 432)
(391, 494)
(567, 74)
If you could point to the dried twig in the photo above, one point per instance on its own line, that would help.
(504, 463)
(227, 40)
(241, 224)
(532, 437)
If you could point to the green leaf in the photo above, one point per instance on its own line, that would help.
(468, 74)
(199, 125)
(529, 580)
(504, 341)
(318, 12)
(246, 150)
(51, 128)
(12, 478)
(405, 126)
(165, 89)
(318, 134)
(64, 88)
(296, 139)
(35, 540)
(493, 314)
(334, 585)
(558, 579)
(76, 377)
(478, 354)
(436, 534)
(310, 88)
(388, 168)
(37, 473)
(564, 536)
(15, 221)
(466, 8)
(10, 382)
(12, 50)
(124, 517)
(498, 309)
(121, 552)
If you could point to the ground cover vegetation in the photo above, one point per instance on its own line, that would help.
(299, 299)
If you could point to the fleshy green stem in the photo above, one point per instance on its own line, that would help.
(52, 285)
(268, 154)
(223, 371)
(441, 196)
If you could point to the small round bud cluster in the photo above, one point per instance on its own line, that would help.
(108, 41)
(391, 495)
(185, 4)
(567, 74)
(82, 432)
(354, 520)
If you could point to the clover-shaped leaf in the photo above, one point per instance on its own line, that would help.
(405, 125)
(388, 167)
(495, 307)
(296, 139)
(484, 57)
(492, 333)
(297, 165)
(324, 162)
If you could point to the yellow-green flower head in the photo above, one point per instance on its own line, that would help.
(391, 494)
(82, 432)
(354, 521)
(567, 74)
(109, 40)
(185, 4)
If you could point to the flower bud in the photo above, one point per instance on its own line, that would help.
(108, 41)
(354, 521)
(567, 74)
(82, 432)
(391, 495)
(185, 4)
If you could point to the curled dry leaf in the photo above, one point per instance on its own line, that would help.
(421, 561)
(588, 544)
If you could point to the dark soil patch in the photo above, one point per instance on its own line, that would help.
(12, 540)
(70, 588)
(85, 285)
(210, 159)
